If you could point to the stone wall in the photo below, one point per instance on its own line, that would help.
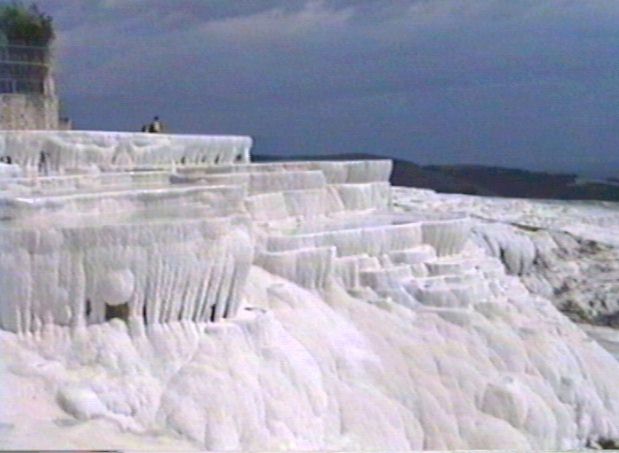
(28, 111)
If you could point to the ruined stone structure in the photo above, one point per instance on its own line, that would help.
(27, 91)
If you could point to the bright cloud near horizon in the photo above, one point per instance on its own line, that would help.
(519, 83)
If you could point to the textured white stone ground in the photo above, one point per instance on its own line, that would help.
(307, 371)
(567, 252)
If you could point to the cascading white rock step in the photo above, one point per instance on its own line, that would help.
(68, 183)
(372, 240)
(309, 267)
(335, 172)
(457, 354)
(448, 237)
(385, 277)
(47, 207)
(310, 222)
(162, 271)
(57, 151)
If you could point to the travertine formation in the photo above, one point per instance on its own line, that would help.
(161, 284)
(61, 152)
(169, 226)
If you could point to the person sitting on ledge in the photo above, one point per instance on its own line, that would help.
(155, 127)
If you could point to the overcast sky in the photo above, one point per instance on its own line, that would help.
(518, 83)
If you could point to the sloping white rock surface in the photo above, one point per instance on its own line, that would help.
(299, 371)
(566, 251)
(216, 304)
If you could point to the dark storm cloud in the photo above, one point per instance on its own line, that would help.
(510, 82)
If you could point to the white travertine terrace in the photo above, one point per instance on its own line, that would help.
(335, 172)
(85, 181)
(163, 225)
(65, 150)
(309, 222)
(275, 306)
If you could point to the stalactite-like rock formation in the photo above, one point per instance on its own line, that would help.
(168, 227)
(273, 306)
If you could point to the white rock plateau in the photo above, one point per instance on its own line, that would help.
(162, 292)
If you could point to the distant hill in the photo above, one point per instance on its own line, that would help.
(481, 180)
(507, 182)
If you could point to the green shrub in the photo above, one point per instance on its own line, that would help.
(25, 25)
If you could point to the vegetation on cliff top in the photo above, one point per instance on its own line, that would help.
(25, 25)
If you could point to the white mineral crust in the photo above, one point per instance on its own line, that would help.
(164, 293)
